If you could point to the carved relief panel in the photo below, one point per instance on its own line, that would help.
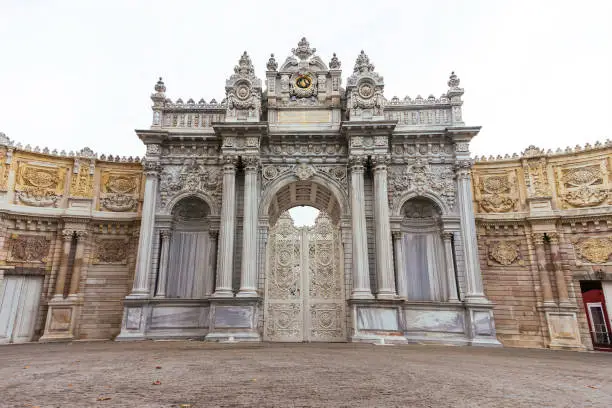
(496, 192)
(421, 177)
(592, 250)
(111, 251)
(39, 184)
(504, 253)
(191, 176)
(5, 166)
(582, 185)
(119, 191)
(81, 183)
(28, 248)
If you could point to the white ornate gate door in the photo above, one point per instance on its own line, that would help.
(304, 297)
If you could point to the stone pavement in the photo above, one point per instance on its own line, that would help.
(196, 374)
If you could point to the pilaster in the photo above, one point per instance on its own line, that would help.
(165, 236)
(450, 267)
(248, 278)
(361, 274)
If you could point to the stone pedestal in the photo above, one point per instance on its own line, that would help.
(62, 317)
(563, 330)
(237, 318)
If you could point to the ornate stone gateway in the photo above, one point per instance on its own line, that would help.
(304, 283)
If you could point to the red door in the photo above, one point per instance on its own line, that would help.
(597, 316)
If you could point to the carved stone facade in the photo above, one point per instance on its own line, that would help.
(190, 241)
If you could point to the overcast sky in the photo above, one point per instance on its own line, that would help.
(80, 73)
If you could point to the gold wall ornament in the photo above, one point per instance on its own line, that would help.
(536, 178)
(583, 186)
(110, 251)
(28, 248)
(81, 184)
(39, 186)
(504, 252)
(119, 191)
(594, 250)
(4, 170)
(496, 193)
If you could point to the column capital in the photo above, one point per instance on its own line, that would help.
(397, 234)
(447, 236)
(67, 235)
(81, 235)
(214, 234)
(250, 163)
(381, 161)
(538, 238)
(357, 163)
(229, 163)
(553, 237)
(166, 233)
(151, 168)
(463, 168)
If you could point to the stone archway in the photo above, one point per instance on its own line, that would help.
(304, 295)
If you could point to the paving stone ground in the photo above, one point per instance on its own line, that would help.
(197, 374)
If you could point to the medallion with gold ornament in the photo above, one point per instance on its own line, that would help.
(304, 84)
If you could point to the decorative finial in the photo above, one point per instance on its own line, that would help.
(303, 50)
(363, 64)
(272, 65)
(453, 81)
(160, 87)
(245, 66)
(335, 62)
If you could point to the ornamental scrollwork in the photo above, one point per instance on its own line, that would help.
(495, 193)
(119, 191)
(191, 177)
(110, 251)
(583, 186)
(81, 184)
(420, 177)
(594, 250)
(536, 178)
(39, 186)
(504, 253)
(304, 172)
(29, 248)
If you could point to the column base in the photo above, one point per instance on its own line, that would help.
(362, 294)
(386, 296)
(223, 293)
(61, 321)
(247, 293)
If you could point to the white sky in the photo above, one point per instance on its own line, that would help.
(79, 73)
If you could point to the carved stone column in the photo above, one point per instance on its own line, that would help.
(361, 273)
(226, 234)
(400, 266)
(538, 240)
(475, 291)
(450, 267)
(75, 281)
(165, 235)
(212, 261)
(63, 269)
(248, 278)
(140, 288)
(384, 251)
(558, 269)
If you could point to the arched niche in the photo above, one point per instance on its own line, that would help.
(190, 269)
(424, 263)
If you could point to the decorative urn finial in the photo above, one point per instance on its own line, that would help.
(245, 66)
(453, 80)
(335, 62)
(272, 65)
(362, 64)
(160, 87)
(303, 50)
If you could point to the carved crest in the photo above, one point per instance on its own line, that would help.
(594, 250)
(39, 186)
(583, 186)
(119, 191)
(191, 177)
(504, 252)
(495, 193)
(110, 251)
(29, 248)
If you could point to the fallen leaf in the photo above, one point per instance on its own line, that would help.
(103, 398)
(26, 367)
(70, 385)
(185, 406)
(156, 382)
(254, 379)
(592, 386)
(107, 386)
(158, 367)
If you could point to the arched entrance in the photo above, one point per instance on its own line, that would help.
(304, 296)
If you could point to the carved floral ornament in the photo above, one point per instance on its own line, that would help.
(496, 193)
(583, 186)
(39, 186)
(191, 177)
(119, 191)
(420, 178)
(110, 251)
(505, 253)
(29, 248)
(304, 172)
(593, 250)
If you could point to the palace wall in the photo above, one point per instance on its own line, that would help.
(559, 201)
(74, 215)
